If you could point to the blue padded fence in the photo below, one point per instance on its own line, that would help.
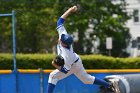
(31, 83)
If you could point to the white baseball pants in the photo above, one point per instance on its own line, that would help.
(77, 69)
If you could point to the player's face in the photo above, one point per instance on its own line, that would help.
(64, 45)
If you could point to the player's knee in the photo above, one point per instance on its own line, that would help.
(87, 79)
(87, 82)
(52, 75)
(52, 78)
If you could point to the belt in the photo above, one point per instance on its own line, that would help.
(76, 60)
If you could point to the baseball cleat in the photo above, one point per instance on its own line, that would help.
(114, 86)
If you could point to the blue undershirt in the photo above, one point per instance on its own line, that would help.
(60, 22)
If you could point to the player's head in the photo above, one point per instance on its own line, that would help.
(66, 39)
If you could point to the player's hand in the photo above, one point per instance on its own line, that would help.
(73, 9)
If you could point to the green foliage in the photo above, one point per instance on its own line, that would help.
(35, 61)
(26, 61)
(109, 26)
(105, 62)
(36, 24)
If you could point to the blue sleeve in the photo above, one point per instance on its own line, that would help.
(60, 22)
(64, 70)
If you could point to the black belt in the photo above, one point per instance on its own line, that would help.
(76, 60)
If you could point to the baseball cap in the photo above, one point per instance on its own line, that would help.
(66, 39)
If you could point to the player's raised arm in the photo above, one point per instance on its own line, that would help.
(69, 11)
(65, 15)
(60, 27)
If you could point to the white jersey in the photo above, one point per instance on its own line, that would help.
(68, 54)
(73, 63)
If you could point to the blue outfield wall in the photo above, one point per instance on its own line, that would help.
(28, 83)
(33, 83)
(7, 83)
(72, 84)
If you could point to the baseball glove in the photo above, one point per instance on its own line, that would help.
(59, 60)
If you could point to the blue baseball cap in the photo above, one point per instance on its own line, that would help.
(66, 39)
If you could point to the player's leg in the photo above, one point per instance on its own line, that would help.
(50, 88)
(54, 77)
(87, 78)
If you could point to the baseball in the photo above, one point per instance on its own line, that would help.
(75, 8)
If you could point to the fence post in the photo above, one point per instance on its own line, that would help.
(41, 80)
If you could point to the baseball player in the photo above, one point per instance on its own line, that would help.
(72, 62)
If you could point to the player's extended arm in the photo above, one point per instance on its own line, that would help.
(69, 11)
(65, 15)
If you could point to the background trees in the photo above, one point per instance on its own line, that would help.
(36, 24)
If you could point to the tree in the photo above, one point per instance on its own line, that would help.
(108, 20)
(111, 19)
(36, 24)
